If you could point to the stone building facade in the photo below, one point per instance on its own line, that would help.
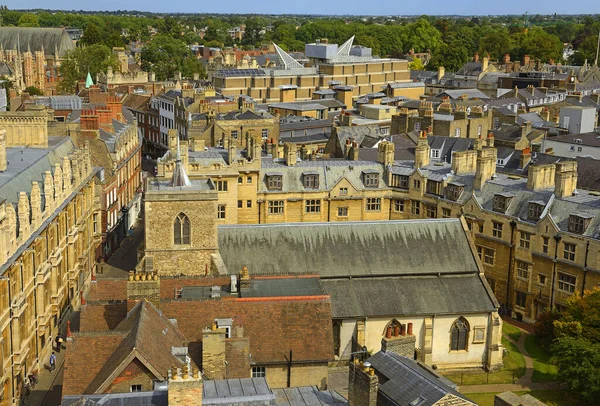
(554, 259)
(49, 231)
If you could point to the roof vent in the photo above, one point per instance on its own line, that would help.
(367, 364)
(578, 141)
(215, 292)
(234, 284)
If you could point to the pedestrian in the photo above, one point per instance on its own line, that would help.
(59, 342)
(52, 363)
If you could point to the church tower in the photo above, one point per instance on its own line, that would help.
(181, 225)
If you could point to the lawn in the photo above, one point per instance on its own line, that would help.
(543, 370)
(513, 362)
(511, 331)
(549, 397)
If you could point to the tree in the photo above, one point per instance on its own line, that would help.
(92, 35)
(93, 59)
(29, 20)
(578, 363)
(416, 64)
(496, 44)
(166, 55)
(34, 91)
(452, 57)
(538, 44)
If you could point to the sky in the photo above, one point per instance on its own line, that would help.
(333, 7)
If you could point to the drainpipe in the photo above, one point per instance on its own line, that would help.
(258, 211)
(585, 266)
(557, 239)
(329, 208)
(12, 350)
(513, 226)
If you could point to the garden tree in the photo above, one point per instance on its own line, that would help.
(29, 20)
(586, 50)
(421, 36)
(452, 57)
(92, 35)
(34, 91)
(166, 55)
(496, 44)
(584, 310)
(564, 30)
(578, 362)
(538, 44)
(416, 64)
(252, 32)
(93, 59)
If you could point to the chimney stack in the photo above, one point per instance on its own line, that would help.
(353, 151)
(541, 176)
(422, 151)
(485, 64)
(289, 152)
(385, 153)
(486, 166)
(526, 61)
(363, 384)
(566, 178)
(441, 72)
(184, 388)
(506, 59)
(526, 128)
(525, 158)
(476, 57)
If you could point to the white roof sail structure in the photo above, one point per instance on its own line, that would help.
(287, 61)
(344, 50)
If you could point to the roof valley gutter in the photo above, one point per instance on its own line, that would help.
(431, 274)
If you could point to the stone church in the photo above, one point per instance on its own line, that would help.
(421, 277)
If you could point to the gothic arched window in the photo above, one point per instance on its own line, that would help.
(459, 335)
(181, 229)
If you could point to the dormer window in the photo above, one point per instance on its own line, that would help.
(435, 153)
(371, 178)
(453, 191)
(535, 210)
(434, 187)
(274, 181)
(578, 223)
(501, 202)
(400, 181)
(311, 180)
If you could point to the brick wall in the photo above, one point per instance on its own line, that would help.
(362, 386)
(401, 345)
(134, 374)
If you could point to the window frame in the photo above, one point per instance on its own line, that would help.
(524, 240)
(523, 270)
(520, 299)
(373, 204)
(562, 283)
(371, 180)
(221, 211)
(274, 182)
(568, 253)
(497, 228)
(312, 206)
(275, 207)
(459, 335)
(343, 211)
(182, 230)
(258, 372)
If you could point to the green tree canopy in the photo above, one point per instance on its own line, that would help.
(578, 363)
(29, 20)
(93, 59)
(496, 44)
(34, 91)
(166, 55)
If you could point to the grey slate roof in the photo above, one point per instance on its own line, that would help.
(35, 39)
(27, 165)
(157, 398)
(407, 381)
(234, 391)
(349, 249)
(330, 172)
(408, 295)
(307, 395)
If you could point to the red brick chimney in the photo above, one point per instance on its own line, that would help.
(506, 58)
(88, 120)
(104, 117)
(115, 105)
(476, 57)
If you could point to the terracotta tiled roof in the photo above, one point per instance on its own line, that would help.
(85, 357)
(274, 325)
(145, 335)
(102, 317)
(108, 290)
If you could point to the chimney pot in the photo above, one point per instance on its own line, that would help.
(403, 329)
(410, 331)
(396, 330)
(388, 332)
